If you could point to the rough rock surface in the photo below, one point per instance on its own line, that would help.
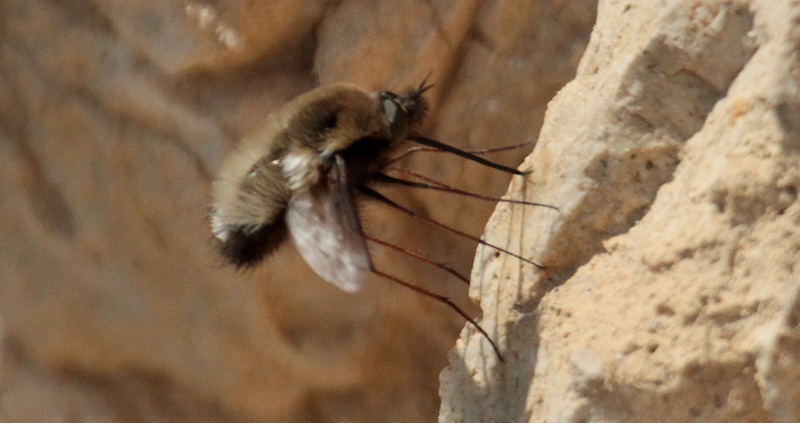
(673, 285)
(114, 116)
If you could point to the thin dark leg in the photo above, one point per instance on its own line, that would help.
(443, 266)
(380, 177)
(450, 149)
(447, 302)
(418, 175)
(369, 192)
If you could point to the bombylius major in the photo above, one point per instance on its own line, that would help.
(299, 175)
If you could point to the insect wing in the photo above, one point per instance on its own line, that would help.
(327, 232)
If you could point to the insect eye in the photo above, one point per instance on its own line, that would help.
(390, 106)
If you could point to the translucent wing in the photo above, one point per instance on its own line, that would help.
(327, 232)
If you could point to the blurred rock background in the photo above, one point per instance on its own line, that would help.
(114, 117)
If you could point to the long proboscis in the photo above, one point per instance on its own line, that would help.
(469, 156)
(479, 151)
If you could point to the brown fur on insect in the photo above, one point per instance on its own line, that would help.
(299, 175)
(294, 154)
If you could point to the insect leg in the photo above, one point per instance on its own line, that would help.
(380, 177)
(442, 266)
(447, 302)
(369, 192)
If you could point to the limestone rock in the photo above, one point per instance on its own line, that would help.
(672, 267)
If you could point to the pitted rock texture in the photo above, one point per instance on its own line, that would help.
(672, 282)
(114, 118)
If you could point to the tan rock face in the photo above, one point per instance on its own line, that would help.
(114, 117)
(672, 286)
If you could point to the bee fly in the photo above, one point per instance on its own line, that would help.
(299, 175)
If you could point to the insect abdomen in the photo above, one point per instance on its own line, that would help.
(249, 224)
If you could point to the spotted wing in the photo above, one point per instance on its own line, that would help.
(327, 232)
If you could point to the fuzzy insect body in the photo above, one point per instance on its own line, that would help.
(296, 177)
